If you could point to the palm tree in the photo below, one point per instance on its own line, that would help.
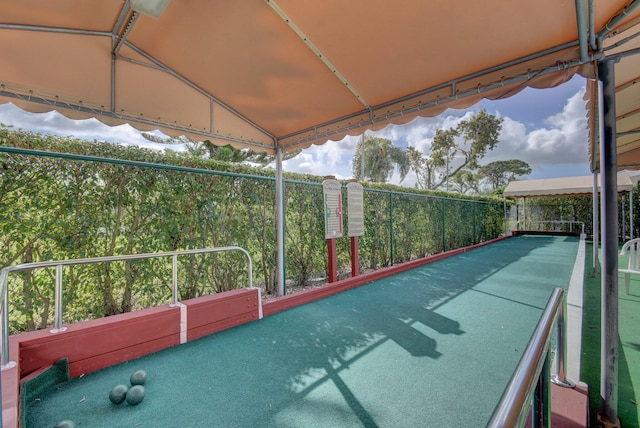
(381, 158)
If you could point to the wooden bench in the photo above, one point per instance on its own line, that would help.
(633, 248)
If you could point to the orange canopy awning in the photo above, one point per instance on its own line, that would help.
(286, 73)
(624, 45)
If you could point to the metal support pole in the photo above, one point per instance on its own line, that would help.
(174, 278)
(583, 35)
(506, 219)
(475, 230)
(444, 225)
(5, 329)
(596, 227)
(391, 243)
(608, 167)
(631, 214)
(560, 378)
(362, 177)
(624, 220)
(57, 322)
(280, 221)
(541, 414)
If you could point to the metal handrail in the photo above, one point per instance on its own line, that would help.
(531, 377)
(59, 264)
(570, 222)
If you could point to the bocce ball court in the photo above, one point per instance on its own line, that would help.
(427, 343)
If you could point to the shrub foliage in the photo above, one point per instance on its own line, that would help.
(63, 198)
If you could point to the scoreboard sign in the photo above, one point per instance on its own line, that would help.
(332, 190)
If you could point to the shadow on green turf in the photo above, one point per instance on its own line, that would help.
(273, 364)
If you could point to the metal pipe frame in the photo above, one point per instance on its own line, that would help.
(609, 194)
(560, 378)
(126, 162)
(4, 289)
(583, 33)
(119, 37)
(454, 95)
(616, 19)
(280, 224)
(596, 226)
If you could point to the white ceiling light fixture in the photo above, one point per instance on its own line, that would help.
(152, 8)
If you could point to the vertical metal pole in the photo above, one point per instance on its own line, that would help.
(174, 271)
(444, 225)
(608, 167)
(596, 226)
(392, 249)
(631, 214)
(5, 327)
(541, 413)
(624, 220)
(280, 221)
(474, 222)
(506, 219)
(362, 158)
(58, 300)
(560, 378)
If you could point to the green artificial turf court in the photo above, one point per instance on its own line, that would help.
(433, 346)
(628, 348)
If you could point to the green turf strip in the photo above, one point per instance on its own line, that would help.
(434, 346)
(629, 347)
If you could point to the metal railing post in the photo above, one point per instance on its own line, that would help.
(391, 243)
(560, 377)
(5, 327)
(541, 411)
(444, 225)
(57, 321)
(475, 232)
(174, 279)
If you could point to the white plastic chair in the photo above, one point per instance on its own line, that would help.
(633, 247)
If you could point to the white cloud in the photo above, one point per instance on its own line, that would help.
(563, 141)
(332, 158)
(89, 129)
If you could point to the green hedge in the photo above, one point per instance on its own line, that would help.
(63, 198)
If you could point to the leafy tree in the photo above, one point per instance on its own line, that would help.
(381, 158)
(479, 134)
(464, 181)
(443, 152)
(423, 168)
(454, 150)
(500, 173)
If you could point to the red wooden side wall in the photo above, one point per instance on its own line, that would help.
(96, 344)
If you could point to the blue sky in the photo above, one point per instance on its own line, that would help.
(544, 127)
